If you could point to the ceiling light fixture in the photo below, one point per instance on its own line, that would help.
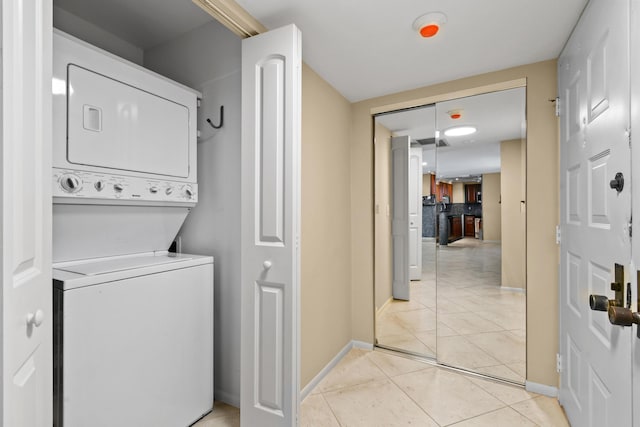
(460, 131)
(428, 25)
(424, 163)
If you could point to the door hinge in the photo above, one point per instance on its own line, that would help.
(558, 362)
(627, 133)
(557, 106)
(199, 102)
(558, 235)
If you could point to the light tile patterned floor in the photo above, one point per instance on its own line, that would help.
(378, 389)
(480, 325)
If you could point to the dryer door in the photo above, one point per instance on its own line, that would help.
(117, 126)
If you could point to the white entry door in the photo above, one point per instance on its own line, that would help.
(593, 73)
(400, 216)
(26, 214)
(415, 213)
(270, 240)
(634, 270)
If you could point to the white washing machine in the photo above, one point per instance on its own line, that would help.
(133, 330)
(134, 340)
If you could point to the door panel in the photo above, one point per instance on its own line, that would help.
(271, 79)
(481, 279)
(400, 216)
(415, 213)
(26, 214)
(635, 159)
(594, 99)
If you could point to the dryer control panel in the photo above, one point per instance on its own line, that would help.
(75, 184)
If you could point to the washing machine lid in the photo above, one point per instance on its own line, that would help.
(121, 264)
(77, 274)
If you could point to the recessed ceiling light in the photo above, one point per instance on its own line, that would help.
(424, 163)
(460, 131)
(428, 25)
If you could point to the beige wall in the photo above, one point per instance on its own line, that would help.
(458, 193)
(326, 228)
(383, 243)
(513, 213)
(491, 211)
(543, 199)
(426, 184)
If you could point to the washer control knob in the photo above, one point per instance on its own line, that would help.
(118, 187)
(99, 185)
(168, 191)
(70, 183)
(153, 190)
(188, 192)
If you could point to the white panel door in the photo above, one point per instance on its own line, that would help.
(26, 214)
(634, 270)
(270, 277)
(593, 73)
(400, 216)
(415, 213)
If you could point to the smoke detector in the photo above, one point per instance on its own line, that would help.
(428, 25)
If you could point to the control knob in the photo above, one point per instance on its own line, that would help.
(118, 187)
(188, 192)
(70, 183)
(168, 191)
(99, 185)
(153, 190)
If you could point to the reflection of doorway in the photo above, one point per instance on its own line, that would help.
(468, 309)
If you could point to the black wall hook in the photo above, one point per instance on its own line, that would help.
(221, 119)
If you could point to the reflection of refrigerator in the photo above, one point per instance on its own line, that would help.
(478, 228)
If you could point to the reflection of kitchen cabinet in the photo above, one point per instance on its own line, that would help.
(469, 226)
(443, 189)
(456, 227)
(472, 193)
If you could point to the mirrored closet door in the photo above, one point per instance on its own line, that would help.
(450, 223)
(481, 209)
(405, 294)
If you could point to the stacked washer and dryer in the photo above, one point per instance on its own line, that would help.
(133, 331)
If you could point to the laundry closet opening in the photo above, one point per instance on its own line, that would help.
(450, 233)
(183, 43)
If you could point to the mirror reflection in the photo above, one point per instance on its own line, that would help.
(450, 224)
(405, 237)
(481, 282)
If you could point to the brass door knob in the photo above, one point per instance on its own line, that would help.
(622, 316)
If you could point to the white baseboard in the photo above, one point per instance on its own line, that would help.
(543, 389)
(228, 398)
(384, 305)
(332, 364)
(519, 290)
(363, 345)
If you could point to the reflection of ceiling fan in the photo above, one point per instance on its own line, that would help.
(432, 141)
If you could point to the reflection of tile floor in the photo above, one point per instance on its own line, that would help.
(480, 325)
(373, 388)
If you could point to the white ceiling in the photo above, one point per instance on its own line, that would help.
(498, 116)
(367, 48)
